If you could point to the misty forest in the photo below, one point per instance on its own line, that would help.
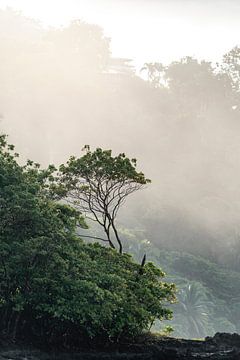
(119, 189)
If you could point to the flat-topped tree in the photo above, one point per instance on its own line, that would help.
(98, 184)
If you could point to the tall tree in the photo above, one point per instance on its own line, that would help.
(194, 309)
(98, 184)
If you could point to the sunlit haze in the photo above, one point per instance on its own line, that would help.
(149, 30)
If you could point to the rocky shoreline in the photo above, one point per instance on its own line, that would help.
(221, 346)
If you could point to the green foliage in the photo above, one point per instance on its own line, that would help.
(106, 299)
(101, 165)
(224, 283)
(55, 287)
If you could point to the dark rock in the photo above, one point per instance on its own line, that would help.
(226, 339)
(222, 346)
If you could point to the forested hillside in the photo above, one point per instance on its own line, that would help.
(61, 89)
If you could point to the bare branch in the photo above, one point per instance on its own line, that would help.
(93, 237)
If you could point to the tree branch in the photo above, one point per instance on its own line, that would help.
(93, 237)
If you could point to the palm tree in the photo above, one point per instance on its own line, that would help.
(155, 73)
(194, 309)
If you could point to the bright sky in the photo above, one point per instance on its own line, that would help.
(149, 30)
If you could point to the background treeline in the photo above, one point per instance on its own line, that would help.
(61, 89)
(208, 294)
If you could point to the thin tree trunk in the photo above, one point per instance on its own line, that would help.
(15, 327)
(9, 322)
(108, 236)
(117, 237)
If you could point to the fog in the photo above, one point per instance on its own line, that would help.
(148, 30)
(62, 88)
